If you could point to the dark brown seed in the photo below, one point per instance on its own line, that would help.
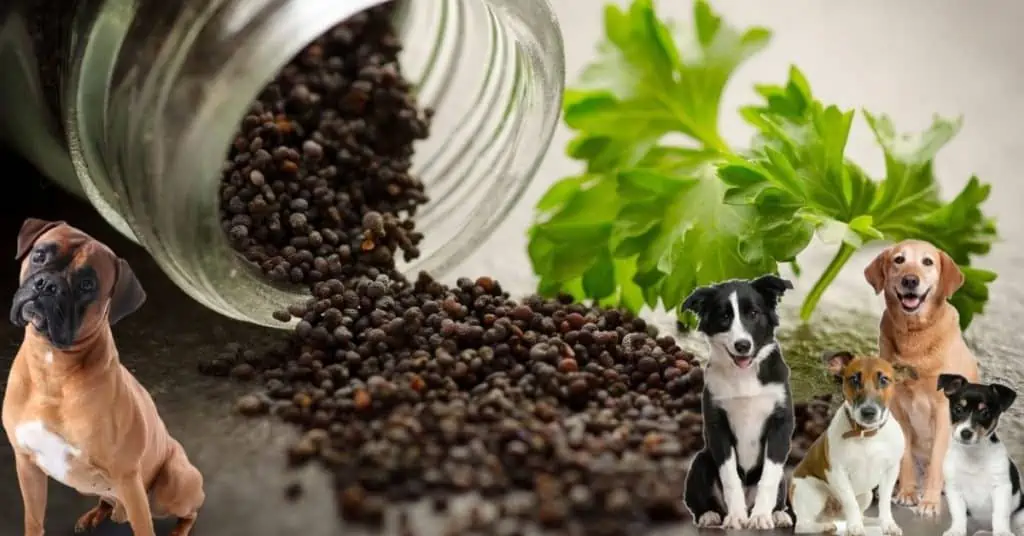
(282, 316)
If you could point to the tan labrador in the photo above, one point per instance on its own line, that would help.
(921, 329)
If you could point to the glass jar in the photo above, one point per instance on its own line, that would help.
(132, 104)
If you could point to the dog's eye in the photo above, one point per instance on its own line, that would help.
(883, 381)
(86, 285)
(38, 257)
(927, 261)
(854, 380)
(753, 313)
(899, 259)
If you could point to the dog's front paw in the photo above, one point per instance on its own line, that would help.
(760, 522)
(855, 529)
(955, 531)
(734, 521)
(890, 528)
(905, 497)
(927, 508)
(1003, 533)
(708, 520)
(782, 519)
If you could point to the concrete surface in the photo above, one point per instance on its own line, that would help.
(909, 58)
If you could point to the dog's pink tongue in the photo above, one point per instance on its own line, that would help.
(911, 302)
(744, 362)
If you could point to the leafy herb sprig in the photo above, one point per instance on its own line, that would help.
(649, 220)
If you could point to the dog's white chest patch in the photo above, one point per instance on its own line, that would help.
(974, 472)
(49, 451)
(748, 403)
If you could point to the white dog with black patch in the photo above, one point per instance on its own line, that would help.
(747, 406)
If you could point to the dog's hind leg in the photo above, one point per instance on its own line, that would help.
(178, 490)
(809, 497)
(702, 495)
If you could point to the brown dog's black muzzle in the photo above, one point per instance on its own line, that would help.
(46, 300)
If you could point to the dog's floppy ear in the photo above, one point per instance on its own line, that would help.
(697, 301)
(875, 273)
(1005, 395)
(835, 361)
(31, 230)
(950, 276)
(951, 383)
(904, 372)
(772, 287)
(127, 296)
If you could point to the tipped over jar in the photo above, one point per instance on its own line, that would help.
(142, 106)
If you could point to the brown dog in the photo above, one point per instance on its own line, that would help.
(71, 410)
(921, 329)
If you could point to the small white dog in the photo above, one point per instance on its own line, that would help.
(981, 481)
(861, 450)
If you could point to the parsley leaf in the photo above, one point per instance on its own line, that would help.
(673, 219)
(648, 221)
(646, 83)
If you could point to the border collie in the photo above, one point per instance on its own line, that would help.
(747, 406)
(981, 481)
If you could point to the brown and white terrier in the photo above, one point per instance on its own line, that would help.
(72, 411)
(920, 328)
(833, 485)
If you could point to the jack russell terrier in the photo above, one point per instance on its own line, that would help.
(861, 450)
(982, 482)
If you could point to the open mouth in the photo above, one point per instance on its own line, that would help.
(911, 301)
(742, 361)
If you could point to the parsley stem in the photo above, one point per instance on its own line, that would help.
(814, 296)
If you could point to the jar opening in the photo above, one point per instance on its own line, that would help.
(147, 125)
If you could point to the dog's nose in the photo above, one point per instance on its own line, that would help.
(910, 281)
(741, 346)
(868, 413)
(46, 286)
(966, 434)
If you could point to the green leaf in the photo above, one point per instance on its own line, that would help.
(691, 237)
(909, 185)
(973, 295)
(646, 83)
(599, 279)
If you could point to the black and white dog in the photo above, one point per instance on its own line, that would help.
(981, 481)
(747, 406)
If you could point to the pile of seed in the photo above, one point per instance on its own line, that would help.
(561, 415)
(324, 150)
(405, 390)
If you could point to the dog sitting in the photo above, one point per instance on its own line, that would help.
(72, 411)
(861, 450)
(921, 329)
(747, 406)
(982, 482)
